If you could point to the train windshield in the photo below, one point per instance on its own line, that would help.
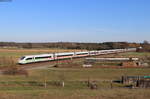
(22, 58)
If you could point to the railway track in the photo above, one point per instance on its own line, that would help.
(48, 63)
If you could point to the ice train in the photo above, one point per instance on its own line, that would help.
(57, 56)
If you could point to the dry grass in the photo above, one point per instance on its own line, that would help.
(7, 61)
(13, 70)
(78, 94)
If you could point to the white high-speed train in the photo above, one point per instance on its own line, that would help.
(57, 56)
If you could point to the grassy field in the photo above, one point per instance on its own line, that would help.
(77, 94)
(75, 86)
(32, 87)
(79, 74)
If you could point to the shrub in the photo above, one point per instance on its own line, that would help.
(15, 71)
(7, 61)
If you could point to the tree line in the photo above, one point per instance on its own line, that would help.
(74, 45)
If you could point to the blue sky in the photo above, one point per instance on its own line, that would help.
(75, 20)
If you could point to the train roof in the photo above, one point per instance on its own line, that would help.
(48, 54)
(82, 52)
(64, 53)
(38, 55)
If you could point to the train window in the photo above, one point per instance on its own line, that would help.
(22, 58)
(42, 57)
(64, 55)
(29, 58)
(93, 52)
(82, 53)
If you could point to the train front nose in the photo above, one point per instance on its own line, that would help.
(20, 62)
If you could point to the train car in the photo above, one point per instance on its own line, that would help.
(102, 52)
(94, 53)
(35, 58)
(64, 55)
(81, 54)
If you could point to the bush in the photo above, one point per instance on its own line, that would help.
(15, 71)
(7, 61)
